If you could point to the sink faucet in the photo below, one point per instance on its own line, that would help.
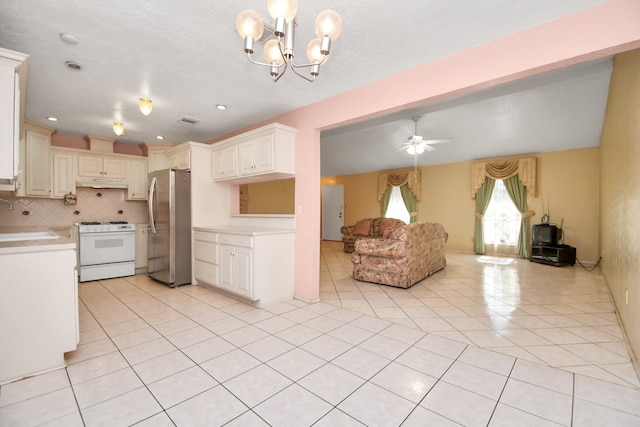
(8, 203)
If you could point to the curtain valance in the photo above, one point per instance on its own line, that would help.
(525, 168)
(396, 179)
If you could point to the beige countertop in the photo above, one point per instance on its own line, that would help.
(22, 246)
(244, 230)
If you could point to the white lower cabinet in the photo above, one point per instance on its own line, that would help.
(235, 270)
(142, 251)
(38, 309)
(255, 264)
(205, 254)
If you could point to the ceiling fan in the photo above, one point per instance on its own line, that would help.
(417, 144)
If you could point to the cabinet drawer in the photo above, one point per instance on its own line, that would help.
(205, 272)
(205, 251)
(205, 236)
(236, 239)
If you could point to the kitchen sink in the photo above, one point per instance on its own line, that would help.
(27, 235)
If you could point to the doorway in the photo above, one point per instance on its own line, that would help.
(332, 212)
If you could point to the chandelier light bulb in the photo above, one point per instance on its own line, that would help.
(286, 9)
(272, 53)
(329, 23)
(118, 128)
(249, 24)
(145, 106)
(314, 54)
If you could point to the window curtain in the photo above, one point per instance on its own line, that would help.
(518, 193)
(410, 202)
(483, 197)
(384, 201)
(519, 176)
(410, 183)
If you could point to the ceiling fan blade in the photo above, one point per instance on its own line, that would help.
(427, 147)
(437, 141)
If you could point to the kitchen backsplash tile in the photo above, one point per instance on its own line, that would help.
(93, 205)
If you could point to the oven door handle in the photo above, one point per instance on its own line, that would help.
(152, 202)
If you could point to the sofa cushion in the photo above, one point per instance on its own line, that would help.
(362, 227)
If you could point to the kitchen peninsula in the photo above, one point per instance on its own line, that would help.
(39, 304)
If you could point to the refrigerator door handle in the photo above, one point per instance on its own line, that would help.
(152, 201)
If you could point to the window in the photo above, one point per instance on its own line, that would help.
(396, 208)
(501, 223)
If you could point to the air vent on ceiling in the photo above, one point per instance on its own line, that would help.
(267, 34)
(188, 120)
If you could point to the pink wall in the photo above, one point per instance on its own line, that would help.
(600, 31)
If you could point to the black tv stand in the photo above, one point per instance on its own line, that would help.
(557, 255)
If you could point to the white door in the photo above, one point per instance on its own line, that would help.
(332, 212)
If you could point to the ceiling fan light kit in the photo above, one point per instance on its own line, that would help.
(279, 51)
(416, 144)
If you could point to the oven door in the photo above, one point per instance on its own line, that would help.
(107, 247)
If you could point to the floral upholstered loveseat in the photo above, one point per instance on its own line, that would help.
(405, 256)
(367, 227)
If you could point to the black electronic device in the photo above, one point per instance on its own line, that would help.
(545, 234)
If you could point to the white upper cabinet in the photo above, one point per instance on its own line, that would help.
(137, 176)
(224, 162)
(179, 157)
(13, 85)
(102, 167)
(261, 154)
(35, 178)
(64, 181)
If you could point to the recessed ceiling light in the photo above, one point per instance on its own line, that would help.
(159, 137)
(52, 119)
(73, 65)
(221, 107)
(68, 38)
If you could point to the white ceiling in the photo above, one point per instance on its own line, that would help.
(187, 57)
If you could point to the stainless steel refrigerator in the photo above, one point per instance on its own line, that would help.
(170, 226)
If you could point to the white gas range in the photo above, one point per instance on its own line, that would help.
(106, 249)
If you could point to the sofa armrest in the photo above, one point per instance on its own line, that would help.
(347, 230)
(381, 247)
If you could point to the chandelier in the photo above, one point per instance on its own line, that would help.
(278, 51)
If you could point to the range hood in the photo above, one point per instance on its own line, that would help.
(83, 181)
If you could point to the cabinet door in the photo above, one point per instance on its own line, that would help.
(9, 110)
(244, 279)
(227, 268)
(256, 156)
(224, 163)
(63, 176)
(137, 177)
(114, 168)
(90, 166)
(180, 159)
(37, 167)
(142, 237)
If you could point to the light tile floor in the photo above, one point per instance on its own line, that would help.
(487, 341)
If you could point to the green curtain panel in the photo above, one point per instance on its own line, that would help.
(483, 197)
(518, 193)
(384, 200)
(410, 202)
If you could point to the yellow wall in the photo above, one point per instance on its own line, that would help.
(568, 181)
(271, 197)
(620, 193)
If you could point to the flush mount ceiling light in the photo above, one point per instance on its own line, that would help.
(52, 119)
(278, 52)
(145, 106)
(118, 128)
(221, 107)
